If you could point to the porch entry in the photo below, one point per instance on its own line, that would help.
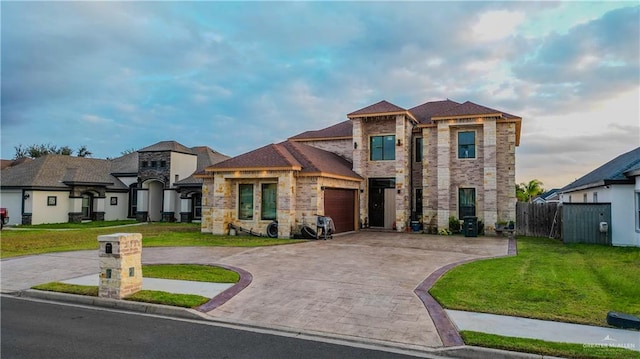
(382, 204)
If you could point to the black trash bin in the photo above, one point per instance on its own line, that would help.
(470, 226)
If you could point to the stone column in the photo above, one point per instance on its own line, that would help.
(120, 264)
(444, 179)
(360, 159)
(403, 162)
(286, 204)
(221, 211)
(490, 214)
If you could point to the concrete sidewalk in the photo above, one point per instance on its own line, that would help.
(205, 289)
(546, 330)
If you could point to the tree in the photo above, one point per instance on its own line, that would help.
(129, 151)
(84, 152)
(525, 192)
(35, 151)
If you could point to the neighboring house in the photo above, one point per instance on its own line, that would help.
(383, 167)
(154, 183)
(616, 182)
(551, 196)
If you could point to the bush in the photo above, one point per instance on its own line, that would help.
(454, 224)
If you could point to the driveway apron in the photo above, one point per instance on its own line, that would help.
(357, 286)
(360, 285)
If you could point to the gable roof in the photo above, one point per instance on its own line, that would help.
(611, 172)
(59, 171)
(382, 108)
(172, 146)
(341, 130)
(289, 155)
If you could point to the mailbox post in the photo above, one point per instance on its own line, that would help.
(120, 264)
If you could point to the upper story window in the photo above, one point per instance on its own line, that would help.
(419, 149)
(245, 200)
(144, 163)
(163, 163)
(467, 144)
(154, 164)
(584, 197)
(595, 197)
(383, 148)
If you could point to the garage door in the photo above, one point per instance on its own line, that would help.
(339, 204)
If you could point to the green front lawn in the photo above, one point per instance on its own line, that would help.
(85, 225)
(26, 242)
(576, 283)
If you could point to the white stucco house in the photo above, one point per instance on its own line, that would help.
(616, 182)
(155, 183)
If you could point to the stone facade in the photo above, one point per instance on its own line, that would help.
(491, 173)
(120, 264)
(154, 166)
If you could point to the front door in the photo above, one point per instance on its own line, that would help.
(377, 203)
(376, 207)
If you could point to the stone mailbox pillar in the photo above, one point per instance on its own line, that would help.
(120, 264)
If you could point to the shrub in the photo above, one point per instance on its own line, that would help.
(454, 224)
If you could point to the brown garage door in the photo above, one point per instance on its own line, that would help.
(339, 204)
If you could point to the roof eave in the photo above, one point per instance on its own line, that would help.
(330, 175)
(352, 116)
(251, 169)
(308, 139)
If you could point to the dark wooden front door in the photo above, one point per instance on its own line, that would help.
(376, 207)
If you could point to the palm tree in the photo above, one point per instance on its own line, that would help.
(525, 192)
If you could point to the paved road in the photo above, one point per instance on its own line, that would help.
(359, 286)
(45, 330)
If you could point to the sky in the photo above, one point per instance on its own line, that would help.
(235, 76)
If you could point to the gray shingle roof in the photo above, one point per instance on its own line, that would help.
(56, 171)
(611, 172)
(125, 164)
(167, 146)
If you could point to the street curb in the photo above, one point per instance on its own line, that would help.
(147, 308)
(471, 352)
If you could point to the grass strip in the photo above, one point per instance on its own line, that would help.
(191, 272)
(89, 290)
(535, 346)
(165, 298)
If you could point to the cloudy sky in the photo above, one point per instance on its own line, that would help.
(236, 76)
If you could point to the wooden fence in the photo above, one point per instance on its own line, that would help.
(582, 223)
(538, 220)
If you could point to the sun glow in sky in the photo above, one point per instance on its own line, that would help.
(235, 76)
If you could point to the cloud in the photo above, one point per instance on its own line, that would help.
(496, 25)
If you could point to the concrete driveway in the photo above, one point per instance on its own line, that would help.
(357, 286)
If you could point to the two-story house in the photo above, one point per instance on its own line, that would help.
(383, 167)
